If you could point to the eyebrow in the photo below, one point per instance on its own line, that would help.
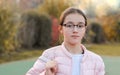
(77, 23)
(81, 23)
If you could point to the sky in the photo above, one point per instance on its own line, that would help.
(111, 3)
(100, 6)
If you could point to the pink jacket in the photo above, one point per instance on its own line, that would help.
(91, 64)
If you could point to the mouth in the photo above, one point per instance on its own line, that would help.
(75, 36)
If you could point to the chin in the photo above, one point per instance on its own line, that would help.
(74, 42)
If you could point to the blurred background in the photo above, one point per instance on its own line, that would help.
(28, 27)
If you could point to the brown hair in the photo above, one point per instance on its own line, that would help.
(71, 10)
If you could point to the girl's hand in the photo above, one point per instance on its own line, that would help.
(51, 68)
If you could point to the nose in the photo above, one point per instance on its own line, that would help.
(75, 29)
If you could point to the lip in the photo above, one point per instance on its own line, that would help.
(75, 36)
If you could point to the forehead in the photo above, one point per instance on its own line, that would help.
(75, 18)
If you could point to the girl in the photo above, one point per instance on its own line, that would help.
(70, 58)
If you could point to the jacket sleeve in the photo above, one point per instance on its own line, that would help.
(39, 66)
(101, 69)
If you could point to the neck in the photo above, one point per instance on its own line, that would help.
(74, 48)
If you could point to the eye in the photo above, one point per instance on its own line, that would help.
(69, 25)
(80, 26)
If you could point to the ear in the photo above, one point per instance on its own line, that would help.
(60, 29)
(86, 28)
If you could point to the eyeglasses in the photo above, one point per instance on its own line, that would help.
(72, 26)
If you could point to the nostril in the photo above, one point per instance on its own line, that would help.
(75, 31)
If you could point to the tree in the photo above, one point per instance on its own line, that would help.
(54, 7)
(7, 30)
(98, 36)
(35, 30)
(110, 24)
(118, 31)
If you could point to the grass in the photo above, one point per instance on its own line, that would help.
(101, 49)
(105, 49)
(23, 54)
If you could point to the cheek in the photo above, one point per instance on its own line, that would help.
(83, 32)
(66, 34)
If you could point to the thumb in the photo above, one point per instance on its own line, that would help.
(50, 72)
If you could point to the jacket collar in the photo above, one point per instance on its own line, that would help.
(85, 52)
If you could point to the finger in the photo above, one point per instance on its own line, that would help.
(51, 64)
(49, 72)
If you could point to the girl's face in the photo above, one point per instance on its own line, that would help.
(73, 28)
